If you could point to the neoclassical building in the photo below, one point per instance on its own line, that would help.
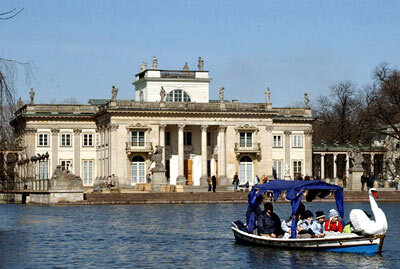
(171, 108)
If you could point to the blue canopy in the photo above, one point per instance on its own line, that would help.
(294, 192)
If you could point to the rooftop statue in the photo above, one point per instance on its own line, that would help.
(221, 94)
(114, 93)
(20, 103)
(306, 100)
(186, 67)
(143, 66)
(268, 95)
(201, 64)
(32, 95)
(155, 63)
(162, 95)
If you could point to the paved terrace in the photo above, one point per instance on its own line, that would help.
(216, 198)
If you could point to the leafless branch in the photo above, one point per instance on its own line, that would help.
(10, 12)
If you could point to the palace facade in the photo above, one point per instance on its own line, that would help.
(200, 137)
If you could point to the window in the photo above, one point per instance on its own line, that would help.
(43, 169)
(177, 96)
(297, 141)
(87, 140)
(296, 168)
(277, 169)
(277, 141)
(246, 139)
(65, 140)
(208, 139)
(187, 138)
(66, 165)
(43, 140)
(138, 170)
(137, 138)
(88, 172)
(168, 138)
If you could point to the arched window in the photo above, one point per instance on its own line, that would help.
(177, 96)
(246, 170)
(138, 168)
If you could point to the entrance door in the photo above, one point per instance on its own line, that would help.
(138, 166)
(245, 170)
(188, 172)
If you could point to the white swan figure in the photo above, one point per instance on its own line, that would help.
(361, 222)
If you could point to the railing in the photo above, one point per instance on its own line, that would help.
(139, 146)
(253, 147)
(178, 74)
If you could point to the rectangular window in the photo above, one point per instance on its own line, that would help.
(246, 139)
(137, 138)
(66, 165)
(43, 170)
(296, 168)
(277, 141)
(168, 138)
(65, 140)
(88, 172)
(187, 138)
(87, 140)
(43, 140)
(297, 141)
(277, 169)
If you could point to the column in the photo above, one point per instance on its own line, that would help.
(113, 149)
(347, 165)
(54, 150)
(372, 163)
(162, 141)
(334, 166)
(323, 166)
(181, 180)
(30, 144)
(77, 152)
(222, 180)
(308, 153)
(287, 154)
(203, 179)
(266, 150)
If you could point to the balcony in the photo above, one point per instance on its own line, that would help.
(248, 148)
(134, 146)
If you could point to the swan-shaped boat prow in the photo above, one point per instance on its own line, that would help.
(362, 223)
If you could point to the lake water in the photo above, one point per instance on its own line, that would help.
(166, 236)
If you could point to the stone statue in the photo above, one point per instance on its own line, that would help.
(306, 100)
(201, 64)
(155, 63)
(286, 169)
(221, 94)
(186, 67)
(20, 103)
(162, 95)
(143, 66)
(32, 95)
(157, 158)
(355, 157)
(268, 95)
(114, 93)
(141, 96)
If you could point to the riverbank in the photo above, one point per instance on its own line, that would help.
(215, 198)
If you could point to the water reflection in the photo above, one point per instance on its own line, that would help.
(167, 236)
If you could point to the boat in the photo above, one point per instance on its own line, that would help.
(362, 239)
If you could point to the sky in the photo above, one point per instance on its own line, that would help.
(81, 48)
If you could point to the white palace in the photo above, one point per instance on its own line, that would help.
(171, 108)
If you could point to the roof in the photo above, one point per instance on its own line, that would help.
(98, 102)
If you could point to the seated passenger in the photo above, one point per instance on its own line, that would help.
(304, 226)
(256, 209)
(318, 224)
(332, 224)
(268, 223)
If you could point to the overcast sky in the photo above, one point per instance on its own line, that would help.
(81, 48)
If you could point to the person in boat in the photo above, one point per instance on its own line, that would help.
(318, 225)
(304, 226)
(254, 208)
(332, 224)
(269, 223)
(287, 223)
